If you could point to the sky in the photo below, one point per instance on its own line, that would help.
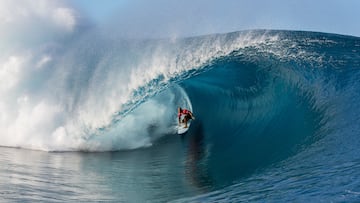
(168, 18)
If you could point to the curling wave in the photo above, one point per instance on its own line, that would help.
(96, 93)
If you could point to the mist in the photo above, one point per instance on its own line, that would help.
(171, 19)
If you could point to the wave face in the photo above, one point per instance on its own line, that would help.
(276, 108)
(263, 100)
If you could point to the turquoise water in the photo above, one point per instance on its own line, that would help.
(277, 116)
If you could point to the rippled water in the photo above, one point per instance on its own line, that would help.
(160, 173)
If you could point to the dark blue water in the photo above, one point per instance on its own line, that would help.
(277, 120)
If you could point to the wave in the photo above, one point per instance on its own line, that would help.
(59, 95)
(96, 93)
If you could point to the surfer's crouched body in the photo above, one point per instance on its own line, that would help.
(187, 116)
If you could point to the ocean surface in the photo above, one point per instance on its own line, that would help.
(93, 118)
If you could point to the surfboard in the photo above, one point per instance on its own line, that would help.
(181, 128)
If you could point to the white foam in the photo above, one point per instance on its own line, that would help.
(10, 72)
(71, 97)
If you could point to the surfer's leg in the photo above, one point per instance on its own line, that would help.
(186, 119)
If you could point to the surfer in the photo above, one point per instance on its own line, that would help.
(187, 116)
